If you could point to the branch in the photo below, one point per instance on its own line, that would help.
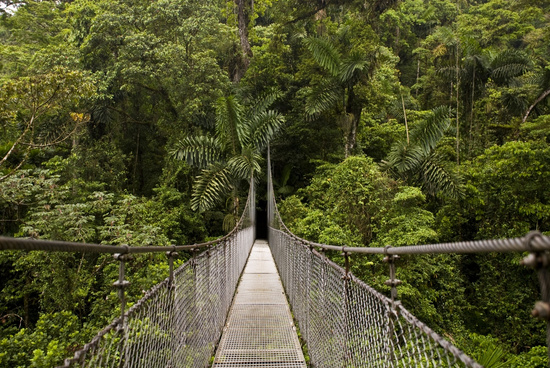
(13, 315)
(539, 99)
(60, 139)
(17, 141)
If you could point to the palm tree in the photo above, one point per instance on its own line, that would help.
(337, 90)
(233, 153)
(417, 162)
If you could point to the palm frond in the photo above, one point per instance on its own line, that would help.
(263, 127)
(436, 178)
(449, 72)
(404, 157)
(430, 131)
(263, 102)
(324, 53)
(244, 165)
(509, 65)
(198, 151)
(322, 98)
(210, 187)
(355, 62)
(229, 117)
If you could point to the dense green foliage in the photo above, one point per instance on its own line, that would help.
(391, 123)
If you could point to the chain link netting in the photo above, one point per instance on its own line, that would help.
(179, 321)
(345, 322)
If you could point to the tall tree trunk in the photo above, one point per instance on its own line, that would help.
(470, 144)
(405, 116)
(457, 106)
(243, 35)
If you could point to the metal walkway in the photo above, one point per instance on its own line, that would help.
(260, 331)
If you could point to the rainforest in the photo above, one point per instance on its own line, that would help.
(389, 122)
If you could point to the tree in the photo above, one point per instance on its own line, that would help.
(41, 111)
(339, 89)
(233, 154)
(419, 163)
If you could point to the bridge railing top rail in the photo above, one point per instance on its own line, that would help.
(8, 243)
(532, 242)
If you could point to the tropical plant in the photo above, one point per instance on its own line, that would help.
(418, 162)
(339, 90)
(233, 154)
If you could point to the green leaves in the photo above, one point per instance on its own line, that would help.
(419, 163)
(325, 53)
(211, 185)
(234, 155)
(198, 151)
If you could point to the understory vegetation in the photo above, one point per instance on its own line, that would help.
(390, 122)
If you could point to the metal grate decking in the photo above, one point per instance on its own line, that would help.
(259, 330)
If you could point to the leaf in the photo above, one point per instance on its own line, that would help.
(244, 165)
(322, 98)
(325, 53)
(356, 62)
(210, 186)
(198, 151)
(263, 127)
(229, 123)
(428, 133)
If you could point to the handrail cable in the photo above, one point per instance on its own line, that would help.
(347, 311)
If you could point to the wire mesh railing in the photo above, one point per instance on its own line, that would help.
(347, 323)
(179, 321)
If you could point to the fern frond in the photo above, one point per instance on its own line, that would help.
(325, 53)
(198, 151)
(210, 187)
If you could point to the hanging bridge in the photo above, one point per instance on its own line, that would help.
(226, 306)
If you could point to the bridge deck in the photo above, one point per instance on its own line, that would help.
(259, 331)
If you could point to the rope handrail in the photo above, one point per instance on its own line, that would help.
(532, 242)
(8, 243)
(333, 305)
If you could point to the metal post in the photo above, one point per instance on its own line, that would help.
(392, 282)
(171, 255)
(393, 312)
(540, 261)
(346, 277)
(122, 284)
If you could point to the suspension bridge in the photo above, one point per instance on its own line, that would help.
(240, 302)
